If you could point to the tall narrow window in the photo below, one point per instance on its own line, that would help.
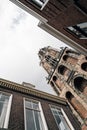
(5, 104)
(60, 119)
(33, 117)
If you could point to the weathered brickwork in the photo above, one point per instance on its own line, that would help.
(69, 74)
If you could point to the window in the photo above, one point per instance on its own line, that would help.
(39, 3)
(51, 60)
(60, 118)
(34, 119)
(80, 30)
(5, 105)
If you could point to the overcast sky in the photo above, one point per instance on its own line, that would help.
(20, 41)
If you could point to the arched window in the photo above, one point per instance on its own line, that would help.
(69, 95)
(80, 83)
(72, 53)
(70, 59)
(68, 51)
(84, 66)
(62, 69)
(65, 57)
(54, 78)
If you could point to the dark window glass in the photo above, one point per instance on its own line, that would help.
(79, 30)
(30, 125)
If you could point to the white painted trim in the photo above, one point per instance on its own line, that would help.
(62, 37)
(43, 118)
(83, 38)
(24, 114)
(8, 112)
(8, 109)
(67, 120)
(44, 4)
(41, 112)
(30, 11)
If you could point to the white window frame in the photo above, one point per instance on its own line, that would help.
(37, 1)
(41, 112)
(44, 4)
(6, 122)
(65, 116)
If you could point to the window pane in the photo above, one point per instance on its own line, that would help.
(59, 112)
(60, 120)
(82, 25)
(37, 119)
(61, 126)
(65, 123)
(39, 124)
(28, 104)
(54, 111)
(35, 106)
(3, 108)
(30, 125)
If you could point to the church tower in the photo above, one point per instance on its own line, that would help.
(67, 74)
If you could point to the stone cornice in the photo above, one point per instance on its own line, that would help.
(28, 90)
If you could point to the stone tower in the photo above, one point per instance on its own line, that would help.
(67, 74)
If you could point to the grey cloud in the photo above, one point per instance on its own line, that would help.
(17, 20)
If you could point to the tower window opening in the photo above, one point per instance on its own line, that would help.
(69, 95)
(72, 53)
(84, 66)
(54, 78)
(70, 59)
(80, 83)
(62, 69)
(65, 57)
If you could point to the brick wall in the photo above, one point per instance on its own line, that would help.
(62, 14)
(16, 121)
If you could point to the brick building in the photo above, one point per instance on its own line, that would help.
(67, 74)
(64, 19)
(22, 107)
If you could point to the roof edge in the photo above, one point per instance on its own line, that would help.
(28, 90)
(62, 37)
